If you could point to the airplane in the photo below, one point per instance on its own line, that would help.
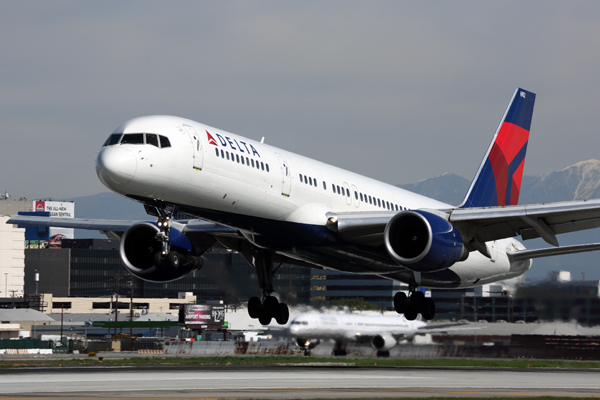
(383, 332)
(274, 207)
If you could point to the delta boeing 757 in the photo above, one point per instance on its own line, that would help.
(273, 206)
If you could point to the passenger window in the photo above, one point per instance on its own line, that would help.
(379, 202)
(247, 161)
(242, 157)
(133, 138)
(314, 182)
(151, 139)
(227, 154)
(217, 151)
(361, 197)
(301, 180)
(252, 163)
(237, 158)
(262, 165)
(113, 139)
(333, 188)
(222, 154)
(324, 186)
(347, 192)
(267, 165)
(356, 195)
(310, 181)
(338, 190)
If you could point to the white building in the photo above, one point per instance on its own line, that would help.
(12, 259)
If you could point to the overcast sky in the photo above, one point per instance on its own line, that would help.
(398, 91)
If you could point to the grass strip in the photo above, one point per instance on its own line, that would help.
(317, 361)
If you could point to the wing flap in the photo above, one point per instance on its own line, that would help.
(552, 251)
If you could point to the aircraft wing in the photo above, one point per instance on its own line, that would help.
(445, 329)
(118, 226)
(484, 224)
(529, 221)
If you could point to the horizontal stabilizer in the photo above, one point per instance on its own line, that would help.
(552, 251)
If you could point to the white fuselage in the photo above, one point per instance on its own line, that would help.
(351, 327)
(276, 199)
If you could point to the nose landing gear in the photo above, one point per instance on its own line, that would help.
(168, 258)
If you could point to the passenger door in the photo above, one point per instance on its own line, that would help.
(197, 154)
(286, 175)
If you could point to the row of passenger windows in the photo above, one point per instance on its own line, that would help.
(138, 138)
(242, 160)
(309, 180)
(346, 192)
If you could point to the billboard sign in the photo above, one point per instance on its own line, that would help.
(59, 209)
(204, 314)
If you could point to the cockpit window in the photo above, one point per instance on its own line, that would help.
(164, 141)
(133, 138)
(151, 139)
(113, 139)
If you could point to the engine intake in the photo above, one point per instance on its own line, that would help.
(423, 241)
(141, 254)
(383, 342)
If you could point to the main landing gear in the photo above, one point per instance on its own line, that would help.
(415, 303)
(269, 307)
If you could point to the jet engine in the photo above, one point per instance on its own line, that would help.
(383, 342)
(141, 253)
(423, 241)
(307, 344)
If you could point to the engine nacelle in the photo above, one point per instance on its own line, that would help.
(383, 342)
(140, 252)
(307, 344)
(423, 241)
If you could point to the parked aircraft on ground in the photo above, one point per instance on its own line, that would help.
(382, 332)
(274, 206)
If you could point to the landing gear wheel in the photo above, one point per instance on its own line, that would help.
(173, 259)
(306, 353)
(400, 302)
(410, 314)
(428, 309)
(383, 353)
(264, 319)
(416, 301)
(159, 260)
(254, 306)
(282, 314)
(270, 306)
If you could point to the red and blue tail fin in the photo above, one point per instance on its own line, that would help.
(498, 181)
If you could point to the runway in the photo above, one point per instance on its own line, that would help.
(292, 382)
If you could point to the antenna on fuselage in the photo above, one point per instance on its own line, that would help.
(262, 140)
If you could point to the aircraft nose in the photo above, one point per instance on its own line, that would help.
(115, 166)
